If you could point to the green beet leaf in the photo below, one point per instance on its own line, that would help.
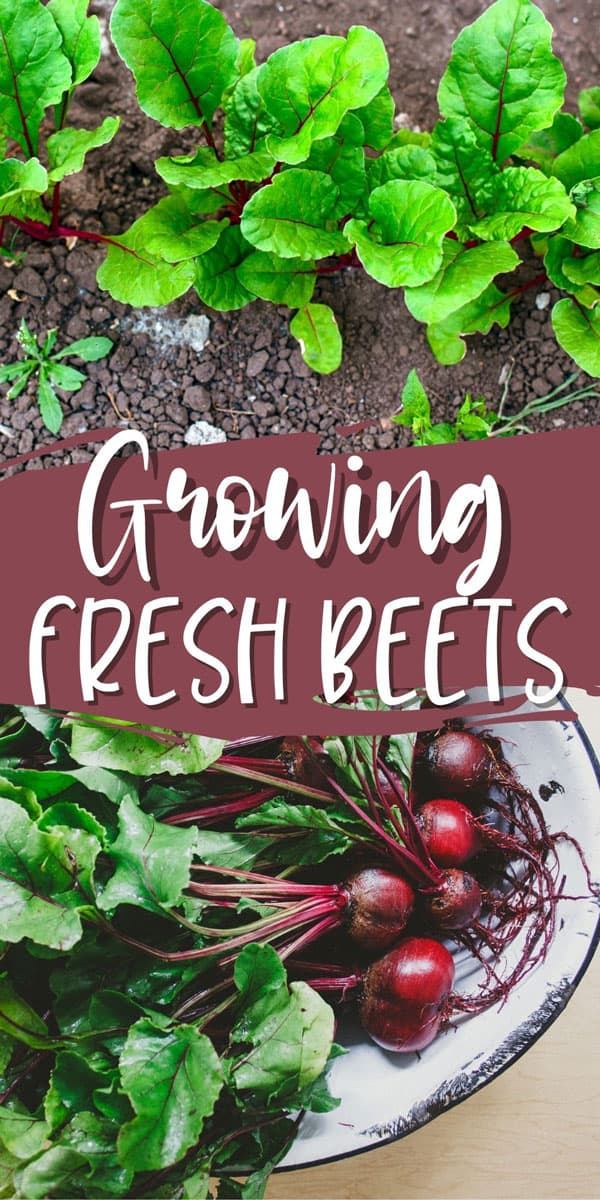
(39, 874)
(446, 338)
(377, 120)
(82, 836)
(175, 234)
(115, 746)
(197, 1186)
(95, 1139)
(83, 1007)
(409, 137)
(204, 202)
(152, 862)
(320, 834)
(173, 1079)
(74, 1080)
(402, 244)
(559, 253)
(563, 270)
(259, 974)
(402, 162)
(67, 148)
(42, 721)
(342, 158)
(58, 1172)
(34, 71)
(237, 851)
(577, 330)
(81, 39)
(462, 166)
(503, 77)
(288, 281)
(246, 57)
(111, 1014)
(519, 198)
(21, 185)
(204, 170)
(309, 86)
(589, 107)
(20, 794)
(18, 1020)
(316, 329)
(543, 147)
(246, 119)
(290, 1030)
(217, 278)
(7, 1048)
(580, 162)
(50, 783)
(182, 59)
(22, 1134)
(296, 217)
(133, 275)
(463, 276)
(584, 229)
(583, 270)
(8, 1166)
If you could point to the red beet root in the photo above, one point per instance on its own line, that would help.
(458, 901)
(450, 832)
(459, 763)
(404, 995)
(300, 764)
(380, 905)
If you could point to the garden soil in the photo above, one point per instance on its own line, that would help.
(242, 372)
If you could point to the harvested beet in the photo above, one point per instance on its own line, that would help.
(450, 832)
(457, 903)
(374, 905)
(458, 763)
(380, 906)
(404, 995)
(421, 850)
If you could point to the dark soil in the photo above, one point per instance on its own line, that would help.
(249, 379)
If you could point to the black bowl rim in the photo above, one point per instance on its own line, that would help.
(551, 1010)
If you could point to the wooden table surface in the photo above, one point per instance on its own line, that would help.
(532, 1134)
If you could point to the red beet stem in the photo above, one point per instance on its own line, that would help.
(418, 844)
(415, 869)
(287, 785)
(273, 765)
(297, 916)
(264, 891)
(224, 811)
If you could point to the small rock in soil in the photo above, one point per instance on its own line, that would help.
(31, 283)
(203, 434)
(172, 331)
(257, 363)
(196, 397)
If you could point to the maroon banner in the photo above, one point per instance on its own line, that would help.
(239, 590)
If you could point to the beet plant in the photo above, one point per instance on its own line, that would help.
(46, 51)
(295, 171)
